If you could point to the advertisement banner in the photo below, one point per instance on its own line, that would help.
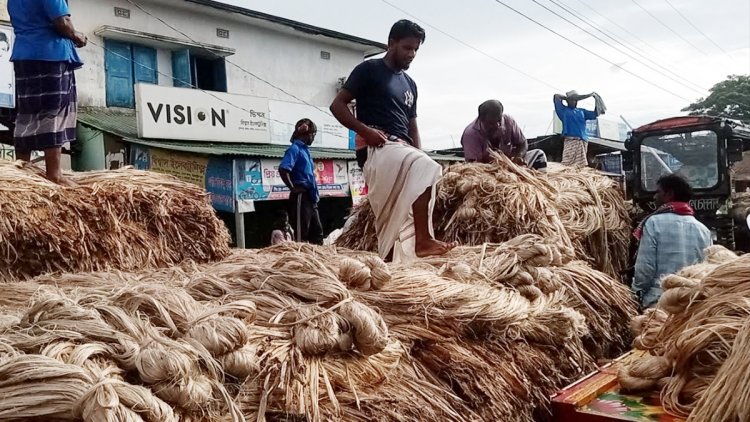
(7, 78)
(357, 183)
(195, 115)
(220, 183)
(249, 184)
(259, 180)
(332, 177)
(273, 186)
(284, 115)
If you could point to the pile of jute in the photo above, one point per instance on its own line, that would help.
(297, 332)
(124, 219)
(698, 339)
(485, 203)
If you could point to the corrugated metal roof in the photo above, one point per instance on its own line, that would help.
(123, 123)
(117, 121)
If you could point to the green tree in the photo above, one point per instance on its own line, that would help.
(729, 98)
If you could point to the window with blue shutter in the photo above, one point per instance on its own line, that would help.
(126, 64)
(191, 71)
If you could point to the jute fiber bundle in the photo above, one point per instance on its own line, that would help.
(300, 332)
(698, 337)
(108, 342)
(536, 267)
(493, 203)
(123, 219)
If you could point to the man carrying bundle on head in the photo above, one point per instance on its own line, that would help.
(297, 170)
(494, 130)
(400, 177)
(670, 239)
(575, 139)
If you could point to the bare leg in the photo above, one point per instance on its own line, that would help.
(52, 158)
(23, 156)
(426, 245)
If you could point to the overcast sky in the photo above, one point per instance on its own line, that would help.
(454, 78)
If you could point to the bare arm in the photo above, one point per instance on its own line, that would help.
(64, 26)
(340, 110)
(414, 133)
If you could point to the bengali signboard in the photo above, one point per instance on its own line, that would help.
(186, 167)
(213, 174)
(284, 115)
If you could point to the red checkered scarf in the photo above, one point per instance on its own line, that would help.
(679, 208)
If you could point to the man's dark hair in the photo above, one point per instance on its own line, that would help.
(678, 186)
(405, 29)
(490, 108)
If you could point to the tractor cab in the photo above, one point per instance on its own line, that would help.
(699, 148)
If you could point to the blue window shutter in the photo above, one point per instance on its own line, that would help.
(118, 69)
(183, 77)
(220, 75)
(145, 65)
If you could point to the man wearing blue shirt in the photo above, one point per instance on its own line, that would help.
(44, 59)
(670, 239)
(297, 170)
(575, 140)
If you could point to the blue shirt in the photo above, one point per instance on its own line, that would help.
(386, 99)
(573, 119)
(36, 37)
(299, 163)
(670, 242)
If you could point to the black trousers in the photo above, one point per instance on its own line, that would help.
(305, 219)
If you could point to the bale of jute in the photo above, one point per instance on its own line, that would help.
(124, 219)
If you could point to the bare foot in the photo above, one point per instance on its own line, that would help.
(62, 181)
(432, 247)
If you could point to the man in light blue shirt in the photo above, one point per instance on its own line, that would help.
(575, 139)
(670, 239)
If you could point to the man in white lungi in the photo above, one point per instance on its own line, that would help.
(400, 177)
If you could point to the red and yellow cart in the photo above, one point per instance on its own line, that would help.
(597, 398)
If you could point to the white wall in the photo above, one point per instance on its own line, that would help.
(288, 61)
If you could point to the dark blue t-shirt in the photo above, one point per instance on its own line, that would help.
(386, 100)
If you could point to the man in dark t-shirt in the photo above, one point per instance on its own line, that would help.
(400, 177)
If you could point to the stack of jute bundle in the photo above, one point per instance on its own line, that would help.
(697, 339)
(486, 203)
(297, 332)
(122, 219)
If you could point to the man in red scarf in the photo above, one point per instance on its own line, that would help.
(670, 239)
